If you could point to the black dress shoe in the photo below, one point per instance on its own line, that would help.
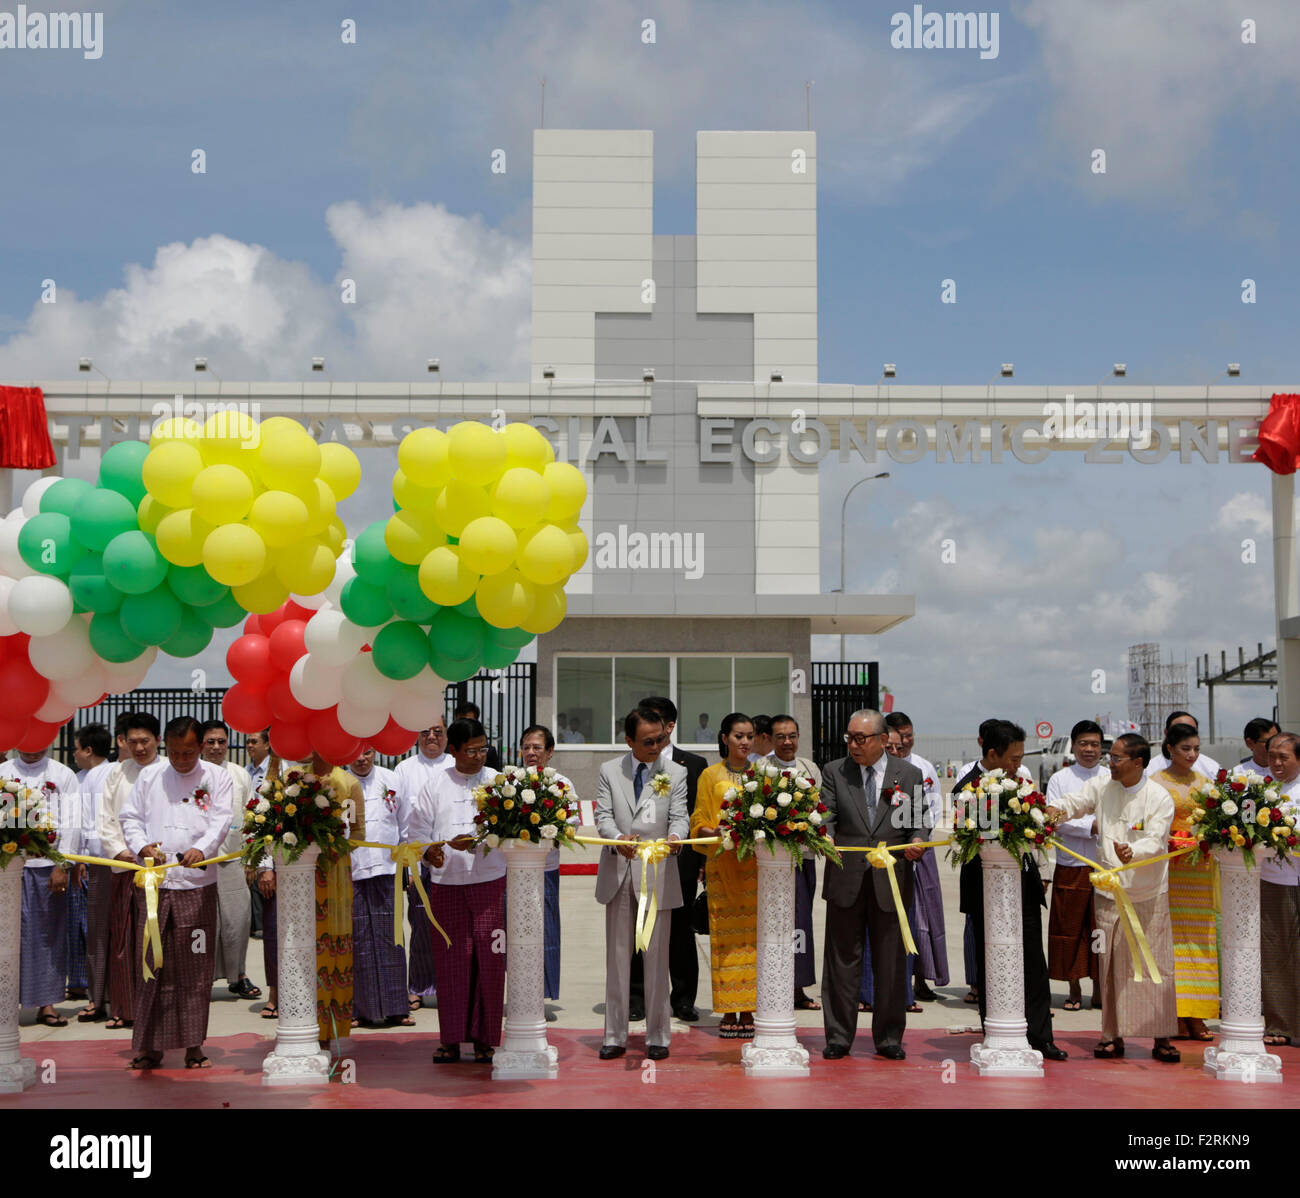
(609, 1051)
(686, 1014)
(834, 1052)
(892, 1052)
(1051, 1052)
(657, 1052)
(636, 1012)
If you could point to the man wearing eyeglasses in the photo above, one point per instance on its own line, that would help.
(869, 794)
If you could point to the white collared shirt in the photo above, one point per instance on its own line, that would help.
(160, 809)
(64, 804)
(91, 784)
(385, 823)
(445, 810)
(1203, 764)
(1283, 873)
(1075, 834)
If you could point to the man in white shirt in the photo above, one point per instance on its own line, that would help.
(380, 997)
(1279, 906)
(1133, 819)
(413, 775)
(1204, 764)
(233, 902)
(468, 898)
(43, 963)
(179, 810)
(1072, 919)
(1256, 736)
(137, 747)
(92, 745)
(258, 747)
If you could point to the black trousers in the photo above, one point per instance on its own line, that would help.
(683, 959)
(255, 910)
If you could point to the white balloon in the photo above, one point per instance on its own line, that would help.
(127, 675)
(417, 701)
(82, 690)
(333, 638)
(314, 683)
(343, 571)
(63, 654)
(312, 602)
(40, 605)
(55, 711)
(11, 561)
(364, 685)
(7, 626)
(32, 496)
(360, 721)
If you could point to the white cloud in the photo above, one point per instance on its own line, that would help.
(1245, 512)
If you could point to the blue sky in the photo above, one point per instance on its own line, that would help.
(932, 165)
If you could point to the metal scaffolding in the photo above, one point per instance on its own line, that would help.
(1260, 670)
(1154, 688)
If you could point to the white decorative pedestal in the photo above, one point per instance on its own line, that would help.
(297, 1059)
(525, 1052)
(16, 1072)
(1004, 1051)
(774, 1051)
(1240, 1054)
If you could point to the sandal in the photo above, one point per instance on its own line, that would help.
(804, 1003)
(118, 1022)
(54, 1019)
(971, 996)
(483, 1056)
(91, 1014)
(744, 1031)
(916, 1009)
(415, 1002)
(1277, 1041)
(1109, 1050)
(270, 1011)
(864, 1006)
(244, 988)
(446, 1054)
(197, 1063)
(1072, 1004)
(145, 1061)
(729, 1031)
(1167, 1053)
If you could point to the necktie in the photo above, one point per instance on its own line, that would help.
(638, 783)
(870, 788)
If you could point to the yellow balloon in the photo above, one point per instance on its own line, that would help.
(476, 453)
(458, 503)
(520, 496)
(234, 554)
(230, 437)
(181, 536)
(278, 517)
(178, 428)
(411, 535)
(287, 457)
(549, 607)
(578, 539)
(336, 532)
(339, 470)
(222, 494)
(568, 492)
(488, 545)
(422, 455)
(306, 567)
(151, 512)
(169, 471)
(262, 595)
(526, 446)
(505, 600)
(321, 507)
(446, 579)
(412, 496)
(545, 555)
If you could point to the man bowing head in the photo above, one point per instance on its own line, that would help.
(179, 810)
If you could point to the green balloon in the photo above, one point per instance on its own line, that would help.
(364, 604)
(151, 618)
(109, 641)
(455, 637)
(370, 555)
(497, 657)
(133, 564)
(400, 650)
(90, 589)
(511, 638)
(404, 594)
(224, 613)
(120, 470)
(453, 670)
(469, 608)
(191, 638)
(100, 516)
(64, 495)
(45, 543)
(194, 586)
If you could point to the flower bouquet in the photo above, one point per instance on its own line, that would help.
(1242, 810)
(1008, 811)
(292, 812)
(775, 806)
(527, 805)
(27, 826)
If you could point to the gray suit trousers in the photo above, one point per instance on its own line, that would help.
(620, 935)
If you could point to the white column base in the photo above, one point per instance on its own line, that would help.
(313, 1070)
(525, 1054)
(1240, 1055)
(16, 1076)
(1006, 1062)
(774, 1050)
(774, 1060)
(513, 1065)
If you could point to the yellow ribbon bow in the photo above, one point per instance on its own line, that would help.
(1110, 881)
(148, 876)
(409, 856)
(882, 858)
(651, 852)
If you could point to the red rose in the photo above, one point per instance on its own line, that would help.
(1226, 836)
(783, 830)
(1204, 846)
(1237, 786)
(1275, 816)
(1211, 804)
(527, 810)
(494, 802)
(1291, 841)
(822, 808)
(250, 804)
(23, 838)
(279, 828)
(1006, 827)
(548, 803)
(1221, 776)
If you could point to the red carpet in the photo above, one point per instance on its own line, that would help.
(394, 1070)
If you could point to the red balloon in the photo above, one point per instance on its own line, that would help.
(287, 644)
(330, 740)
(24, 690)
(246, 708)
(253, 625)
(392, 739)
(272, 620)
(284, 706)
(249, 662)
(296, 611)
(12, 730)
(39, 735)
(13, 647)
(289, 741)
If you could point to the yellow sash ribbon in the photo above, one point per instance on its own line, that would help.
(882, 858)
(406, 856)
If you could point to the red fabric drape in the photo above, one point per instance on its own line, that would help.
(24, 434)
(1279, 435)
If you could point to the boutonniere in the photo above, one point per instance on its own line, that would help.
(929, 782)
(1138, 827)
(50, 789)
(661, 783)
(200, 796)
(893, 794)
(390, 799)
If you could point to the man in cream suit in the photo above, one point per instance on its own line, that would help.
(639, 797)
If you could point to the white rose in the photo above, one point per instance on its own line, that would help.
(1229, 807)
(263, 806)
(555, 790)
(756, 811)
(492, 840)
(548, 772)
(783, 800)
(528, 795)
(290, 839)
(509, 791)
(1037, 816)
(760, 835)
(771, 771)
(996, 775)
(731, 793)
(803, 783)
(1013, 805)
(814, 818)
(264, 789)
(549, 832)
(310, 779)
(292, 792)
(1025, 790)
(322, 802)
(1271, 793)
(726, 843)
(751, 785)
(1009, 785)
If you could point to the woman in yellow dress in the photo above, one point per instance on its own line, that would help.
(732, 888)
(1191, 895)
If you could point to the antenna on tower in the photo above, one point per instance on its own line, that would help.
(543, 124)
(807, 98)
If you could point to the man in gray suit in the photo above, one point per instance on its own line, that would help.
(872, 797)
(630, 807)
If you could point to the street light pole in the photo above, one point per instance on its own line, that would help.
(843, 516)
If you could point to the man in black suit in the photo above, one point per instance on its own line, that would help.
(1004, 747)
(683, 959)
(872, 797)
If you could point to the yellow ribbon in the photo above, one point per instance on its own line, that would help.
(651, 852)
(882, 858)
(407, 856)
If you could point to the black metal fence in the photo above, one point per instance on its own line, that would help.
(839, 688)
(164, 702)
(506, 700)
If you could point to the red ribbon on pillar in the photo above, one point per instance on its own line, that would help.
(1279, 435)
(24, 434)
